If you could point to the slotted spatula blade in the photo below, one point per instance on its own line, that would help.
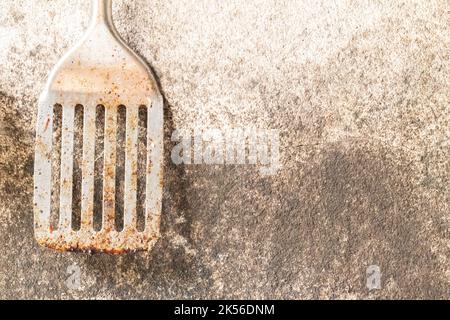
(100, 71)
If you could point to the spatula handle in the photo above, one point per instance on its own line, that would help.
(102, 11)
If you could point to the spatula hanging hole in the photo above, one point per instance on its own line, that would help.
(142, 168)
(99, 162)
(77, 163)
(120, 166)
(56, 166)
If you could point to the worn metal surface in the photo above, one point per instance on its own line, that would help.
(100, 70)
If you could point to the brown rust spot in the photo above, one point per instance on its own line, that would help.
(93, 249)
(161, 179)
(47, 123)
(66, 184)
(110, 171)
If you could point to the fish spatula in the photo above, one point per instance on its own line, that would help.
(101, 71)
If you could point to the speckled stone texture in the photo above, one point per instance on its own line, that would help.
(360, 92)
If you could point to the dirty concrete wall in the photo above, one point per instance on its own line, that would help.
(360, 93)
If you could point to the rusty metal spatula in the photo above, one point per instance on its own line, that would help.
(100, 71)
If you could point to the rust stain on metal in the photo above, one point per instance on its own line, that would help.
(47, 123)
(124, 242)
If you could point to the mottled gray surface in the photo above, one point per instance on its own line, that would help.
(360, 91)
